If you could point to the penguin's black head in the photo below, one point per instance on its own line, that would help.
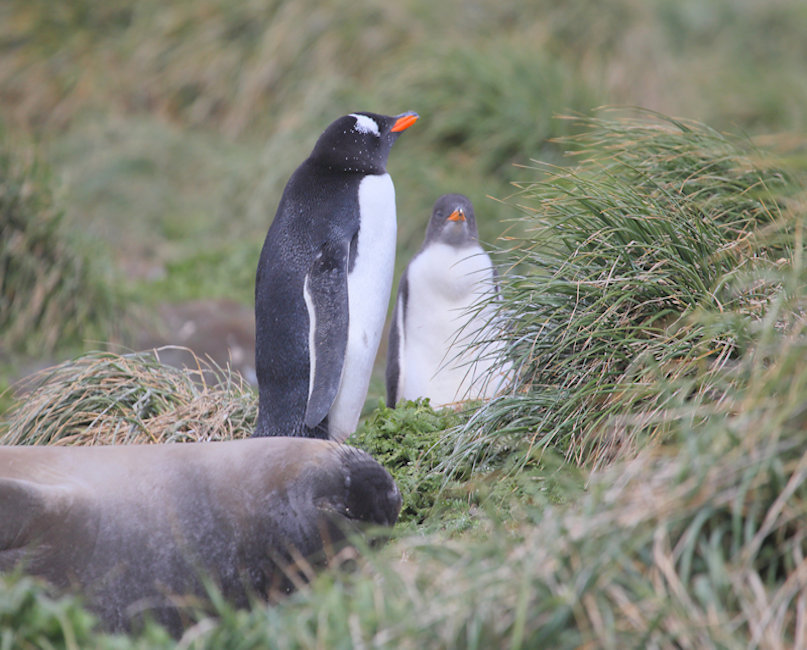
(453, 221)
(361, 142)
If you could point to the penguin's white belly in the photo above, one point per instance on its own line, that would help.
(368, 286)
(444, 285)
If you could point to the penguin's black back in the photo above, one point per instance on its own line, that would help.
(393, 372)
(295, 236)
(314, 236)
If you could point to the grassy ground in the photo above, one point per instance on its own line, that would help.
(643, 485)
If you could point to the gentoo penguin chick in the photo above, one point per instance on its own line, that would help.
(137, 530)
(435, 318)
(324, 281)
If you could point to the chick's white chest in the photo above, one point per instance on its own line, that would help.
(444, 284)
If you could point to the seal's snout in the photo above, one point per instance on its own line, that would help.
(372, 496)
(394, 503)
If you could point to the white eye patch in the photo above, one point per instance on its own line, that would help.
(365, 124)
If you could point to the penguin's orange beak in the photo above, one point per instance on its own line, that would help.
(404, 122)
(457, 215)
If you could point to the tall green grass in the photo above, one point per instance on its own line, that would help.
(649, 262)
(33, 618)
(248, 66)
(53, 290)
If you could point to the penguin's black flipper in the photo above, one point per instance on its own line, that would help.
(396, 342)
(327, 302)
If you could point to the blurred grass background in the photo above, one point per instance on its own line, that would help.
(145, 146)
(170, 131)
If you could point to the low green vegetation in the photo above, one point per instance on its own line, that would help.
(408, 441)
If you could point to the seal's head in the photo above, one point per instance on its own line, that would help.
(371, 495)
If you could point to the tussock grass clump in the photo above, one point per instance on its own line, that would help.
(51, 292)
(649, 261)
(107, 398)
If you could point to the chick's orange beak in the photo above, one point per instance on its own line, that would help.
(404, 122)
(457, 215)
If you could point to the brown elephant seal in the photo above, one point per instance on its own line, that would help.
(138, 528)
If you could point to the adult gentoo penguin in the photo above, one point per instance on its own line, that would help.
(138, 529)
(435, 318)
(324, 281)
